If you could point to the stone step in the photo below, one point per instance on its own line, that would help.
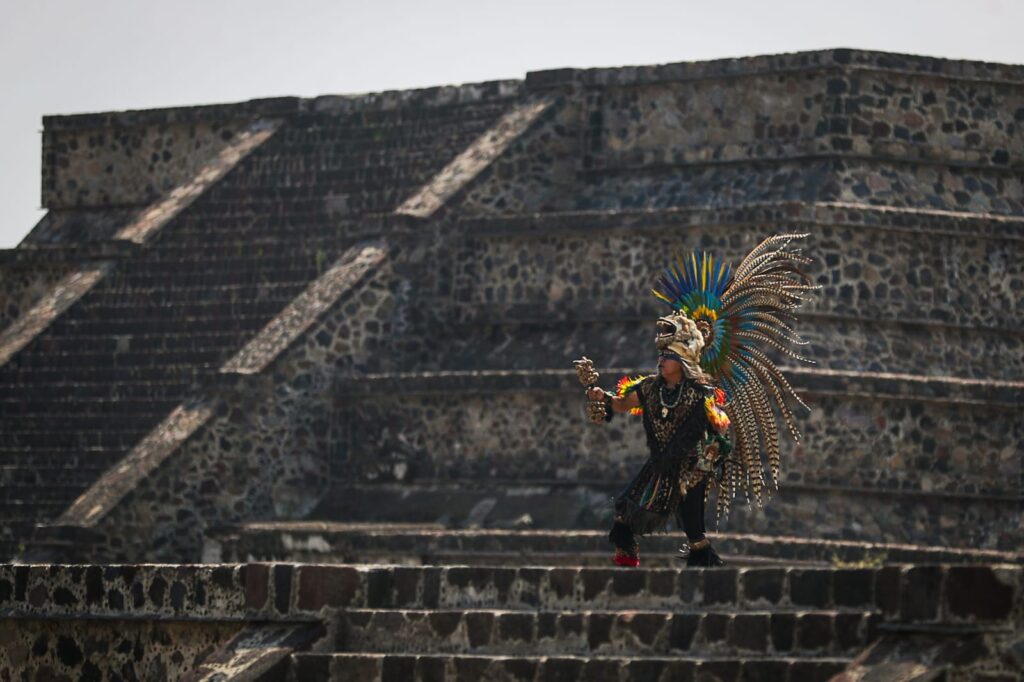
(347, 144)
(43, 378)
(83, 357)
(316, 127)
(345, 171)
(170, 288)
(150, 324)
(141, 305)
(252, 252)
(171, 292)
(59, 459)
(37, 474)
(84, 407)
(53, 492)
(406, 115)
(102, 438)
(65, 389)
(614, 588)
(24, 513)
(146, 341)
(217, 278)
(778, 632)
(345, 542)
(365, 667)
(60, 422)
(498, 558)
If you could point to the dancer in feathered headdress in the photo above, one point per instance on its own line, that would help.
(708, 412)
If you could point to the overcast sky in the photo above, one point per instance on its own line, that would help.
(73, 56)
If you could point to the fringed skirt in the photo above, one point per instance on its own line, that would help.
(651, 499)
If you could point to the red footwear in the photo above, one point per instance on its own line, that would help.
(623, 559)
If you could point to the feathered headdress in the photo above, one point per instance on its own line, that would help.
(740, 313)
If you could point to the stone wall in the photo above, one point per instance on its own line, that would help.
(827, 126)
(877, 113)
(133, 158)
(875, 281)
(103, 649)
(870, 467)
(151, 622)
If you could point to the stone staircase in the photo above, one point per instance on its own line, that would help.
(573, 623)
(430, 603)
(302, 622)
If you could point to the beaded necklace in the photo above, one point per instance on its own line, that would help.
(665, 406)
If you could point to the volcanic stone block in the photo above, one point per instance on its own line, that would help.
(691, 584)
(283, 587)
(783, 627)
(398, 669)
(715, 627)
(601, 670)
(595, 582)
(719, 586)
(379, 588)
(682, 630)
(849, 631)
(852, 587)
(976, 593)
(444, 623)
(750, 631)
(645, 626)
(570, 623)
(547, 625)
(478, 627)
(350, 668)
(516, 626)
(407, 582)
(320, 586)
(922, 589)
(599, 630)
(762, 585)
(887, 590)
(722, 671)
(257, 585)
(431, 588)
(644, 670)
(662, 583)
(560, 669)
(813, 631)
(625, 583)
(810, 587)
(520, 669)
(764, 671)
(562, 581)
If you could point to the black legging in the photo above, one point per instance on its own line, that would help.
(690, 513)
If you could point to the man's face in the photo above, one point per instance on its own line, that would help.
(668, 367)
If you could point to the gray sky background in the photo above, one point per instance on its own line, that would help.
(73, 56)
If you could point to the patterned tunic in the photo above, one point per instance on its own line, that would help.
(678, 429)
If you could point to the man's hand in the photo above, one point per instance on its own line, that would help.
(595, 394)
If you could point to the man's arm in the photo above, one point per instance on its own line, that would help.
(624, 404)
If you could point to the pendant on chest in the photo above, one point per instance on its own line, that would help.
(664, 413)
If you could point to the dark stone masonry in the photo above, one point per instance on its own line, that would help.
(286, 387)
